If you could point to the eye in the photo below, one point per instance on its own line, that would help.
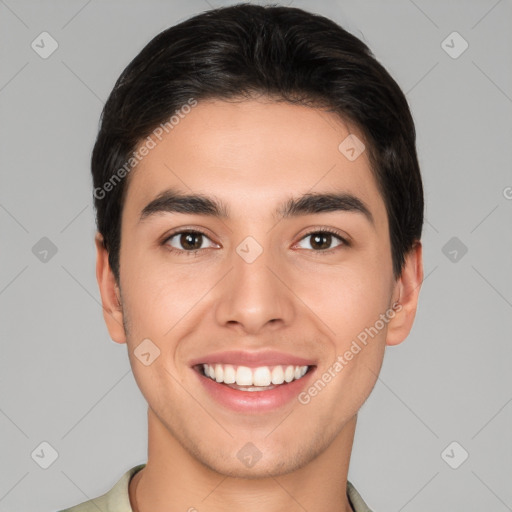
(322, 239)
(188, 242)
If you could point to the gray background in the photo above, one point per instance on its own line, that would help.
(65, 382)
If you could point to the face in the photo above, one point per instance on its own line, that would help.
(256, 278)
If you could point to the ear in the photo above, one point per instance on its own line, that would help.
(407, 288)
(110, 293)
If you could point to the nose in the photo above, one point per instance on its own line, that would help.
(254, 296)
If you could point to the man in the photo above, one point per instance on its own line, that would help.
(259, 209)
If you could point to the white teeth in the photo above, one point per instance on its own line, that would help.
(277, 375)
(289, 373)
(229, 374)
(260, 377)
(219, 373)
(244, 376)
(251, 388)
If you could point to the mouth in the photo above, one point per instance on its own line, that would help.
(245, 378)
(253, 389)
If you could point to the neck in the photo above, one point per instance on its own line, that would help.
(173, 479)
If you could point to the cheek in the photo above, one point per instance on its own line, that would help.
(351, 305)
(346, 299)
(153, 304)
(160, 297)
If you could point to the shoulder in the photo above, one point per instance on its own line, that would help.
(115, 500)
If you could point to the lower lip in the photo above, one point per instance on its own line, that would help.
(255, 401)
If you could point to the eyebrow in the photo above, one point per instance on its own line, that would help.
(173, 201)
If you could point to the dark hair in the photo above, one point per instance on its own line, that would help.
(285, 53)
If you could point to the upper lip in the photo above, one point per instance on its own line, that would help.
(253, 359)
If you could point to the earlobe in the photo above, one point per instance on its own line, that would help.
(407, 288)
(110, 293)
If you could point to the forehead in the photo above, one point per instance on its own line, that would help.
(252, 154)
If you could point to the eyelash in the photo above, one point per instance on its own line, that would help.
(194, 252)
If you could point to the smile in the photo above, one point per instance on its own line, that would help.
(253, 390)
(260, 378)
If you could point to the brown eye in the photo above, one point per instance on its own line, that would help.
(191, 240)
(187, 241)
(322, 240)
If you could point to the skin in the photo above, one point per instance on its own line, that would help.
(253, 155)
